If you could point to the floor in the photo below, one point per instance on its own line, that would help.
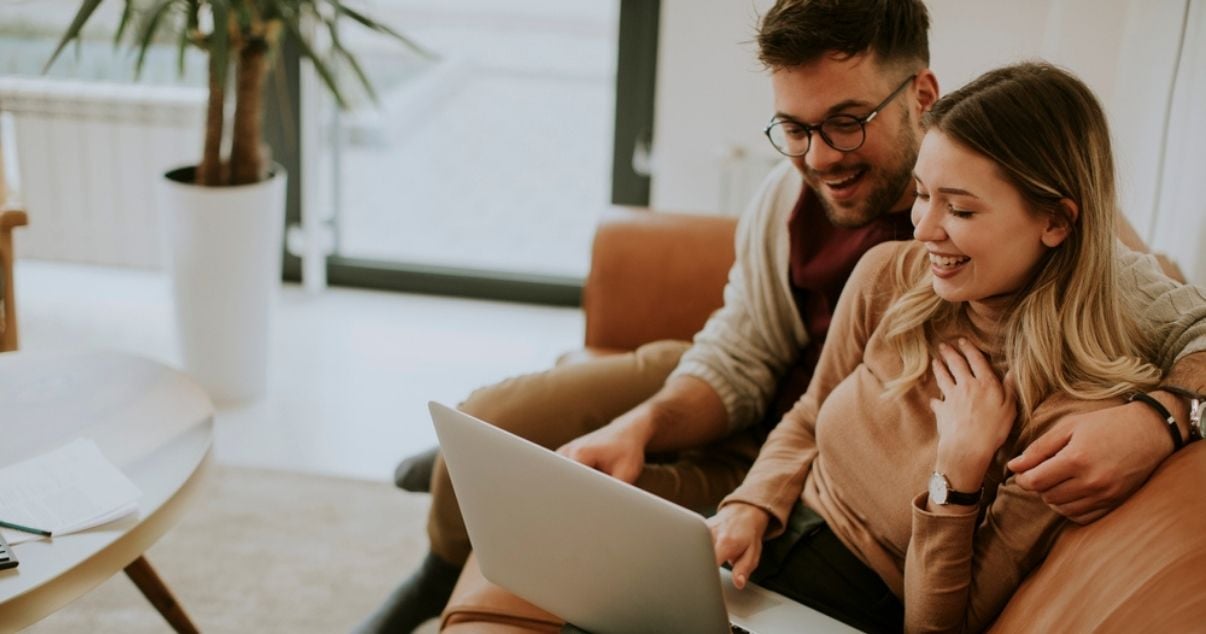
(351, 371)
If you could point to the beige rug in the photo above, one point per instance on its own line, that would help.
(268, 551)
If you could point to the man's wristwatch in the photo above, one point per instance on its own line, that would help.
(941, 493)
(1197, 407)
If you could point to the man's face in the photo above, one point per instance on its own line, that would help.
(859, 186)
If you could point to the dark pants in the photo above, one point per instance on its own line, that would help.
(810, 564)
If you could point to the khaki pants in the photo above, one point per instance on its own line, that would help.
(554, 407)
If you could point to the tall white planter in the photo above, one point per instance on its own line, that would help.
(224, 250)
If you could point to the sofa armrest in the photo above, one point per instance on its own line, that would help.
(479, 607)
(654, 275)
(1140, 568)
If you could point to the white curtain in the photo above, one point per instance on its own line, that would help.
(1179, 226)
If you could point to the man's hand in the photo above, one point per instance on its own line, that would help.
(617, 449)
(685, 413)
(737, 532)
(1090, 463)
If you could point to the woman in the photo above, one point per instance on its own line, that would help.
(898, 449)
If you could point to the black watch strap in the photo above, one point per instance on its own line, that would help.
(964, 499)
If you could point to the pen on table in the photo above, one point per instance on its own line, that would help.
(24, 529)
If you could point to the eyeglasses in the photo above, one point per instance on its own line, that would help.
(842, 132)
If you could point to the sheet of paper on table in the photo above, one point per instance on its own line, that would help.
(70, 489)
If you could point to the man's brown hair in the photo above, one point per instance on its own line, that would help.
(795, 32)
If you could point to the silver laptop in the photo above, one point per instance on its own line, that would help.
(597, 552)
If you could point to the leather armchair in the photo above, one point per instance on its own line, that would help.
(654, 276)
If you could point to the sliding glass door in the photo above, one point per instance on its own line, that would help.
(485, 164)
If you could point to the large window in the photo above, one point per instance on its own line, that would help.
(493, 155)
(481, 169)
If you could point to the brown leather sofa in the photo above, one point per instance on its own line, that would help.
(1141, 568)
(653, 276)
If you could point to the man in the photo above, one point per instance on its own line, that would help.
(853, 77)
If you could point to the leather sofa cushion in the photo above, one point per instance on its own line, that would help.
(1142, 568)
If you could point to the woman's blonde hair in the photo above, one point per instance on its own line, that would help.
(1069, 328)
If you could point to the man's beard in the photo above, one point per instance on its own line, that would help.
(888, 184)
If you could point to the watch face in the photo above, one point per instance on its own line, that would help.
(938, 488)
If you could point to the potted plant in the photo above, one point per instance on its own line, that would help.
(224, 216)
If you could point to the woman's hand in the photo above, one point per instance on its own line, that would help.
(737, 532)
(974, 416)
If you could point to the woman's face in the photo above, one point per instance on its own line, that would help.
(983, 240)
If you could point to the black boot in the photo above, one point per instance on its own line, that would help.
(414, 473)
(420, 597)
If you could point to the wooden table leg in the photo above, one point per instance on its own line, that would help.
(153, 588)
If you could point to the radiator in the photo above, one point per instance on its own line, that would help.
(89, 157)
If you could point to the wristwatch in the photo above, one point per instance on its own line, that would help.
(1196, 407)
(942, 493)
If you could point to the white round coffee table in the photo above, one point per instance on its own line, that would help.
(151, 421)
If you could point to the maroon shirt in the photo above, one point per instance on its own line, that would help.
(821, 259)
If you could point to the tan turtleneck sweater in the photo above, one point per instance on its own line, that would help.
(863, 461)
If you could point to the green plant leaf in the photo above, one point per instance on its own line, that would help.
(366, 21)
(127, 12)
(333, 28)
(181, 47)
(192, 11)
(278, 9)
(87, 8)
(191, 25)
(319, 66)
(149, 27)
(243, 15)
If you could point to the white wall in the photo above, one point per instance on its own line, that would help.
(713, 98)
(1179, 227)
